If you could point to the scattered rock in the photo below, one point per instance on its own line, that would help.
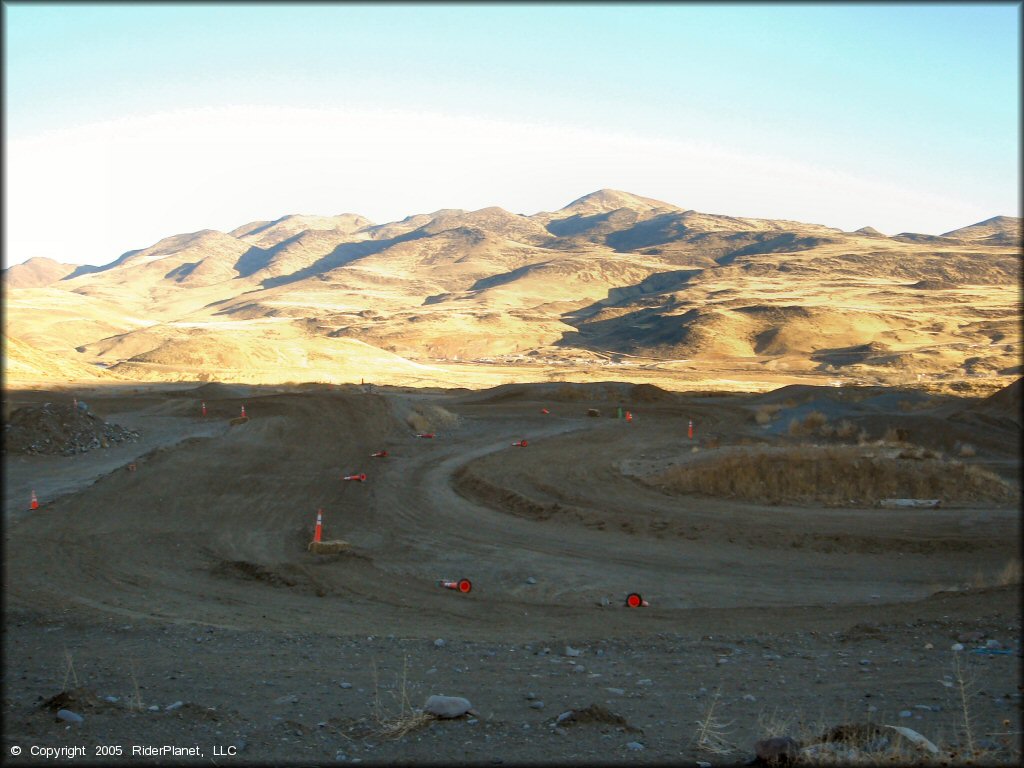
(536, 705)
(971, 637)
(956, 647)
(616, 691)
(749, 697)
(570, 651)
(153, 707)
(635, 746)
(906, 713)
(68, 716)
(531, 580)
(174, 706)
(346, 685)
(447, 706)
(993, 644)
(439, 643)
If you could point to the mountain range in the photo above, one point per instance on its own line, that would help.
(610, 278)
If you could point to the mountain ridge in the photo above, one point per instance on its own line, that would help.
(610, 273)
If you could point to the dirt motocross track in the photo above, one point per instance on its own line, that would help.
(190, 577)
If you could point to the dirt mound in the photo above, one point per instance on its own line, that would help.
(215, 390)
(595, 713)
(836, 475)
(61, 429)
(649, 393)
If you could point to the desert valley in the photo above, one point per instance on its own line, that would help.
(799, 446)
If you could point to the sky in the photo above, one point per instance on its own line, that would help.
(126, 123)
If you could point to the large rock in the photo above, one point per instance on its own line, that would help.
(447, 706)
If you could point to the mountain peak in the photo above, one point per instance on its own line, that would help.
(606, 200)
(1004, 229)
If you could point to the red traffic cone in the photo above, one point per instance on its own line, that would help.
(545, 411)
(634, 600)
(204, 409)
(521, 444)
(35, 502)
(358, 478)
(379, 455)
(629, 416)
(243, 412)
(425, 434)
(319, 524)
(689, 430)
(462, 585)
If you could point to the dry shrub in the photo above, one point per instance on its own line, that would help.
(766, 413)
(966, 450)
(845, 429)
(811, 423)
(428, 418)
(835, 474)
(895, 435)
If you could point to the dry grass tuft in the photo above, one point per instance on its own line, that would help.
(966, 450)
(406, 719)
(711, 732)
(69, 670)
(765, 414)
(135, 700)
(1011, 573)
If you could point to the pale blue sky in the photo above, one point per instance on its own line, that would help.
(923, 99)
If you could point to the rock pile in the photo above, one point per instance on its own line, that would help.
(59, 429)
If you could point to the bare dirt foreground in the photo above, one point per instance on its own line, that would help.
(177, 606)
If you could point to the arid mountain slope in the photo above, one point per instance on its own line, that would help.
(37, 272)
(610, 276)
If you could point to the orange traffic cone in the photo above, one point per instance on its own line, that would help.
(35, 502)
(520, 444)
(379, 455)
(358, 478)
(629, 416)
(545, 411)
(319, 524)
(689, 430)
(634, 600)
(425, 434)
(243, 412)
(204, 409)
(462, 585)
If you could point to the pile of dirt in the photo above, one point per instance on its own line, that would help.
(61, 429)
(835, 475)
